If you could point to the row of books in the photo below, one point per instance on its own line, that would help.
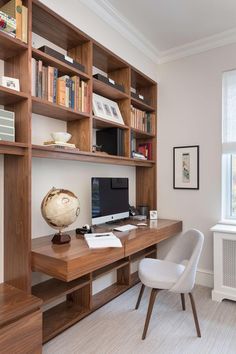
(14, 19)
(141, 120)
(71, 92)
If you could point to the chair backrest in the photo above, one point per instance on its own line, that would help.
(186, 250)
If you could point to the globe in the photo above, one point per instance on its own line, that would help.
(60, 208)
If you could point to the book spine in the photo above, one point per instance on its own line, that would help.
(33, 76)
(61, 92)
(55, 75)
(72, 94)
(82, 95)
(24, 34)
(50, 83)
(18, 12)
(40, 67)
(67, 92)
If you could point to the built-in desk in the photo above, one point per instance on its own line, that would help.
(74, 266)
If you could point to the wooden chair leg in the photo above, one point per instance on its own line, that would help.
(195, 315)
(149, 312)
(183, 302)
(140, 297)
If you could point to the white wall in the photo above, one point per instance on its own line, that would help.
(190, 114)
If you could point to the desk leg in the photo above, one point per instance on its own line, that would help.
(81, 296)
(123, 275)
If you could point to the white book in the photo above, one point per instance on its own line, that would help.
(34, 69)
(102, 240)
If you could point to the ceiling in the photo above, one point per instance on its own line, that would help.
(166, 26)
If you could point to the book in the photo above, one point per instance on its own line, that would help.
(50, 82)
(33, 76)
(24, 34)
(7, 125)
(102, 240)
(7, 24)
(13, 8)
(59, 144)
(61, 92)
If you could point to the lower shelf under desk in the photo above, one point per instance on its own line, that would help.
(75, 267)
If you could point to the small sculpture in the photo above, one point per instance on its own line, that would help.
(60, 208)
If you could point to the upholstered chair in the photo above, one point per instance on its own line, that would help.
(176, 273)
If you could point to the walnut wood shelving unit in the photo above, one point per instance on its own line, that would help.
(18, 156)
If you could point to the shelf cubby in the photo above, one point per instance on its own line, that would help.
(53, 110)
(10, 47)
(114, 266)
(64, 69)
(53, 289)
(103, 89)
(142, 105)
(107, 295)
(61, 317)
(144, 253)
(115, 68)
(140, 134)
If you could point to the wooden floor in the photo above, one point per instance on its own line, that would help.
(116, 328)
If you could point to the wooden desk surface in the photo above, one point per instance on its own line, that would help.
(70, 261)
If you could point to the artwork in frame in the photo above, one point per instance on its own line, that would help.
(186, 167)
(106, 109)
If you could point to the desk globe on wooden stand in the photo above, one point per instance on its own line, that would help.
(60, 208)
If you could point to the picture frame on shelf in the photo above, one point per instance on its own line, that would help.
(106, 109)
(186, 167)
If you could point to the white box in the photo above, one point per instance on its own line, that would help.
(10, 82)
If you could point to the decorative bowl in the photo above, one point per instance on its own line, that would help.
(62, 137)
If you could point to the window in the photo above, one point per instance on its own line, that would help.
(229, 146)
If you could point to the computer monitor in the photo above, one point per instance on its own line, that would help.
(110, 199)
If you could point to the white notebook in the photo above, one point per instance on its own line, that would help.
(102, 240)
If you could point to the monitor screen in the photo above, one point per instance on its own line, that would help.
(110, 199)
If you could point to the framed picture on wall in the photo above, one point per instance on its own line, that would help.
(106, 109)
(186, 167)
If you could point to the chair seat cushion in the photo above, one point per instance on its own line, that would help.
(159, 274)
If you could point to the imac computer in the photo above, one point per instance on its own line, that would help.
(110, 199)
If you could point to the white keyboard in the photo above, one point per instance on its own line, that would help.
(124, 228)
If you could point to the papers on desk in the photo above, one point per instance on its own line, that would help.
(102, 240)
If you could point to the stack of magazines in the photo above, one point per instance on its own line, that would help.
(7, 24)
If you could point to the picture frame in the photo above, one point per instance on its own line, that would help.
(106, 109)
(186, 167)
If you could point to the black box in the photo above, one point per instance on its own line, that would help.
(109, 82)
(61, 57)
(137, 96)
(112, 140)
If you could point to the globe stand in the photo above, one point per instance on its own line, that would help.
(60, 238)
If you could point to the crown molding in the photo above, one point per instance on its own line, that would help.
(116, 20)
(199, 46)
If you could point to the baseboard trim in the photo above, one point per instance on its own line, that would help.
(205, 278)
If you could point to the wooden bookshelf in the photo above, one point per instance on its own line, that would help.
(18, 156)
